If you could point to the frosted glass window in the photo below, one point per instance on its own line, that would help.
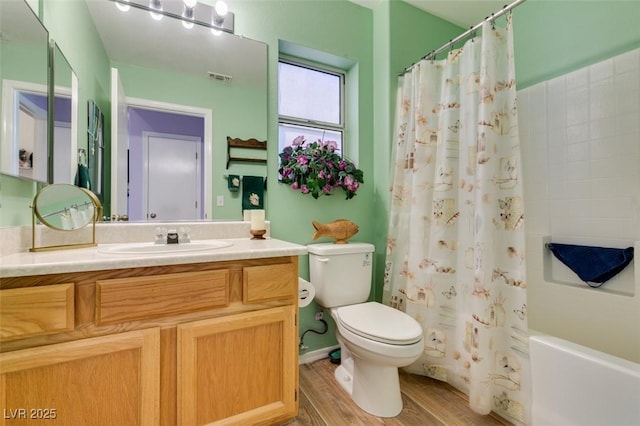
(288, 132)
(309, 94)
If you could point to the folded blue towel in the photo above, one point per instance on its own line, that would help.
(592, 264)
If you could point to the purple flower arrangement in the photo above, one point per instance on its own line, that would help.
(317, 169)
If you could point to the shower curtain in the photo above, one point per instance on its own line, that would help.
(455, 252)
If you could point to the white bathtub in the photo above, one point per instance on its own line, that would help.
(576, 385)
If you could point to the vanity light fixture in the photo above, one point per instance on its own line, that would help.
(218, 18)
(155, 11)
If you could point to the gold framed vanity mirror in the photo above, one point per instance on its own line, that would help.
(65, 207)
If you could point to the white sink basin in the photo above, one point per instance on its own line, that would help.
(151, 248)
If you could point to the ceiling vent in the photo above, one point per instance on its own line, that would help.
(220, 77)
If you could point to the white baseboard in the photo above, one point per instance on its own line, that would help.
(308, 357)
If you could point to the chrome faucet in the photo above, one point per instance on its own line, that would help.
(171, 236)
(161, 235)
(183, 235)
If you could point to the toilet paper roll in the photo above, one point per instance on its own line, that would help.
(306, 293)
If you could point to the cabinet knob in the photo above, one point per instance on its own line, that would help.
(152, 215)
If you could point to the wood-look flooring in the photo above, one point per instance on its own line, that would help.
(426, 402)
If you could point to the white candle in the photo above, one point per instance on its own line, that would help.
(257, 220)
(246, 215)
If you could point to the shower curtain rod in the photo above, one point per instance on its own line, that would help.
(433, 53)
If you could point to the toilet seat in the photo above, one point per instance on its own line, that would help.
(380, 323)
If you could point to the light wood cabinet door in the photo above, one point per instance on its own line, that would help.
(107, 380)
(238, 370)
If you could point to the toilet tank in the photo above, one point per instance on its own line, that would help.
(341, 273)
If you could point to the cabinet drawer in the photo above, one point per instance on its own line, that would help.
(35, 311)
(136, 298)
(269, 282)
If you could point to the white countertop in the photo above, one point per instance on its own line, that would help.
(91, 259)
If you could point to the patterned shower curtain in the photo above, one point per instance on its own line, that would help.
(455, 252)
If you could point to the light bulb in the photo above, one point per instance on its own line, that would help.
(187, 24)
(122, 6)
(156, 5)
(190, 3)
(221, 8)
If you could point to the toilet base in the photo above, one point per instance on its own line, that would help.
(344, 378)
(376, 390)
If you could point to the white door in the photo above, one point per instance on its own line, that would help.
(172, 188)
(31, 134)
(62, 170)
(119, 146)
(136, 206)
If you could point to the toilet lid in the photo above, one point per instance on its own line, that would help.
(380, 322)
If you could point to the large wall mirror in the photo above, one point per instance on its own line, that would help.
(163, 68)
(65, 116)
(24, 70)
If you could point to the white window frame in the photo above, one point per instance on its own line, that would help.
(319, 125)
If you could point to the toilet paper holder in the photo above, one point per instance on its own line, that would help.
(306, 292)
(303, 294)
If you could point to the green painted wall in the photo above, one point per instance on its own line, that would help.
(21, 63)
(71, 27)
(338, 28)
(16, 196)
(86, 55)
(25, 62)
(552, 38)
(404, 34)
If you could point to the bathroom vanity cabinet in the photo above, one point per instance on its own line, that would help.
(186, 344)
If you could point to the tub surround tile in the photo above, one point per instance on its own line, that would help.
(586, 192)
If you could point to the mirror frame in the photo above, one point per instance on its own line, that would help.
(36, 212)
(242, 88)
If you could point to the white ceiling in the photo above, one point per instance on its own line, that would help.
(465, 13)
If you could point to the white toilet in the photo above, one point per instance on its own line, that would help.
(374, 339)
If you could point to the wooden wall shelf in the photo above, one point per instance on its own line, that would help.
(246, 144)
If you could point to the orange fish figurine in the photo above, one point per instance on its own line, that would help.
(340, 230)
